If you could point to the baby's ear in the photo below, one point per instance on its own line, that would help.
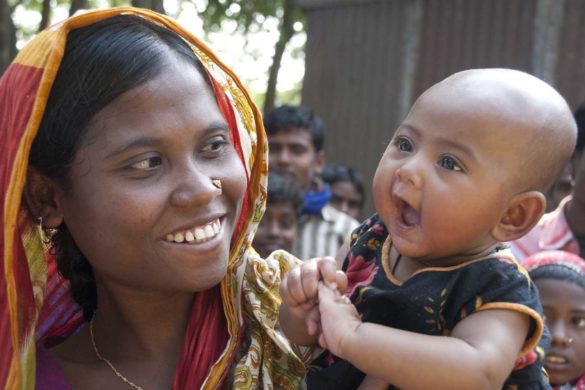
(40, 194)
(524, 211)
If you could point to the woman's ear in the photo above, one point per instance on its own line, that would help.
(40, 194)
(523, 213)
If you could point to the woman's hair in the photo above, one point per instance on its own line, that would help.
(559, 265)
(101, 62)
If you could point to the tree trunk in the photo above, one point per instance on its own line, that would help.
(141, 3)
(76, 5)
(158, 6)
(45, 15)
(7, 36)
(286, 32)
(155, 5)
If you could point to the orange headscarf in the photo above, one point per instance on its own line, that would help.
(35, 303)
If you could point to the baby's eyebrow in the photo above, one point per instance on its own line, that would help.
(410, 128)
(461, 147)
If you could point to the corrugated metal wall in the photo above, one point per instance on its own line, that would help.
(366, 61)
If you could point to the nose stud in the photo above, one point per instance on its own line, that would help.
(570, 340)
(217, 184)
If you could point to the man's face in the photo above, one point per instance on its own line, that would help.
(292, 153)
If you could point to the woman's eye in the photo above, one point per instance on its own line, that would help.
(147, 163)
(449, 163)
(216, 145)
(579, 322)
(404, 145)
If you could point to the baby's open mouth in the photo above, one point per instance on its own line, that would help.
(196, 234)
(408, 215)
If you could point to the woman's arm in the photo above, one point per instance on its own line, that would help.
(479, 354)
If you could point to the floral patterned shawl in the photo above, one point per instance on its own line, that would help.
(35, 303)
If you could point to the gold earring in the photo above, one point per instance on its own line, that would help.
(42, 233)
(216, 183)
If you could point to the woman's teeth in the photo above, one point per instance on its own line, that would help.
(197, 235)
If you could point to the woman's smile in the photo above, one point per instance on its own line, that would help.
(197, 234)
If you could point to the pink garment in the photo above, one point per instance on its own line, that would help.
(551, 233)
(49, 376)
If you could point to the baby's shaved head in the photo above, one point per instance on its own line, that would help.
(530, 115)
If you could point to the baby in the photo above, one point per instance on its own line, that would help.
(436, 302)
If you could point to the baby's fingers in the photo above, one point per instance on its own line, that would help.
(291, 288)
(310, 278)
(328, 271)
(341, 279)
(313, 321)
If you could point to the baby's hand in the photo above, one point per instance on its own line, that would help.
(299, 288)
(339, 319)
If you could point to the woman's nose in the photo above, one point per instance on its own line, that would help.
(194, 187)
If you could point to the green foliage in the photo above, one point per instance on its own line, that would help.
(248, 14)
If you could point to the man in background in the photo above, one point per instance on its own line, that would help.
(295, 138)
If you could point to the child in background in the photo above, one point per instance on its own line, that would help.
(436, 301)
(560, 278)
(278, 227)
(347, 189)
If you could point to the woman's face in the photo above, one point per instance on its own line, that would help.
(142, 181)
(564, 309)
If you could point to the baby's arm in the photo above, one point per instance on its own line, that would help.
(299, 312)
(479, 354)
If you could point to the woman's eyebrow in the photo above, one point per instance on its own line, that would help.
(138, 142)
(148, 141)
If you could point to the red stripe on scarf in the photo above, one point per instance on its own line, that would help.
(18, 87)
(205, 339)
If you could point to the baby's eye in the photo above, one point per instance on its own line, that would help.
(404, 145)
(147, 163)
(450, 163)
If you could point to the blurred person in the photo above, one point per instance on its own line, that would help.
(564, 227)
(347, 189)
(560, 189)
(295, 138)
(560, 279)
(278, 227)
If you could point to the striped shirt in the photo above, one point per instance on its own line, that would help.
(322, 234)
(551, 233)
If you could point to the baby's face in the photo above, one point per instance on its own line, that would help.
(564, 309)
(442, 184)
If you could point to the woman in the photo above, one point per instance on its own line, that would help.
(134, 165)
